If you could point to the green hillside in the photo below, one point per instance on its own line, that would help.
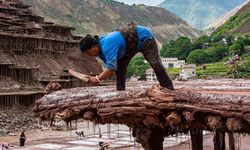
(238, 24)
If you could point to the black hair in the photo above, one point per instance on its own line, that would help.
(22, 134)
(88, 41)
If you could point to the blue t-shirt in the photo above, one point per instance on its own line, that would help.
(113, 46)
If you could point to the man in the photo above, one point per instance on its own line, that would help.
(22, 139)
(117, 48)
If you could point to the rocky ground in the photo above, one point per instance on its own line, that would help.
(15, 120)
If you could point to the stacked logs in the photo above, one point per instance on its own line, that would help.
(165, 112)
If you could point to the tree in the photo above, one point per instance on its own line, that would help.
(248, 64)
(217, 53)
(246, 41)
(229, 39)
(242, 42)
(138, 67)
(198, 43)
(217, 38)
(179, 48)
(198, 56)
(235, 48)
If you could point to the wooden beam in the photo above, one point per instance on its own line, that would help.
(197, 139)
(151, 138)
(231, 142)
(219, 140)
(173, 109)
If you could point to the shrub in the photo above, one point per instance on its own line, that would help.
(137, 67)
(198, 57)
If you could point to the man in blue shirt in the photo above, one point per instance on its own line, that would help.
(117, 48)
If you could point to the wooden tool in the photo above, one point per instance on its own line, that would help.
(79, 75)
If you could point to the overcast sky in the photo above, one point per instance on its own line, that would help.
(146, 2)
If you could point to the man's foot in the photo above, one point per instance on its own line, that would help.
(171, 88)
(120, 89)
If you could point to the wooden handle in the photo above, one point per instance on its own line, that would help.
(79, 75)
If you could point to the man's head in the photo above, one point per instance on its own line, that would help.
(90, 46)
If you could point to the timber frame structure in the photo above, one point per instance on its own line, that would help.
(154, 113)
(34, 52)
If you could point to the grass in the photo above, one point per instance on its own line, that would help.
(213, 70)
(173, 71)
(247, 49)
(210, 70)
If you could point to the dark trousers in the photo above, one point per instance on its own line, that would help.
(151, 54)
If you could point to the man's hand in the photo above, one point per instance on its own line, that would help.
(93, 80)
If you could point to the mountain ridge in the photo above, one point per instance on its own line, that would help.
(237, 25)
(199, 13)
(221, 20)
(102, 16)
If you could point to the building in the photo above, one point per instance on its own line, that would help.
(150, 75)
(167, 63)
(188, 71)
(172, 62)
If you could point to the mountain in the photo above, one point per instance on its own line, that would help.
(239, 24)
(221, 20)
(198, 13)
(102, 16)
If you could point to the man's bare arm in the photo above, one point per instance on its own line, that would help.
(106, 73)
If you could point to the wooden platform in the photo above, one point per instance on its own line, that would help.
(155, 112)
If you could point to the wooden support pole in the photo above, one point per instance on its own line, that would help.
(151, 138)
(197, 139)
(219, 141)
(231, 141)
